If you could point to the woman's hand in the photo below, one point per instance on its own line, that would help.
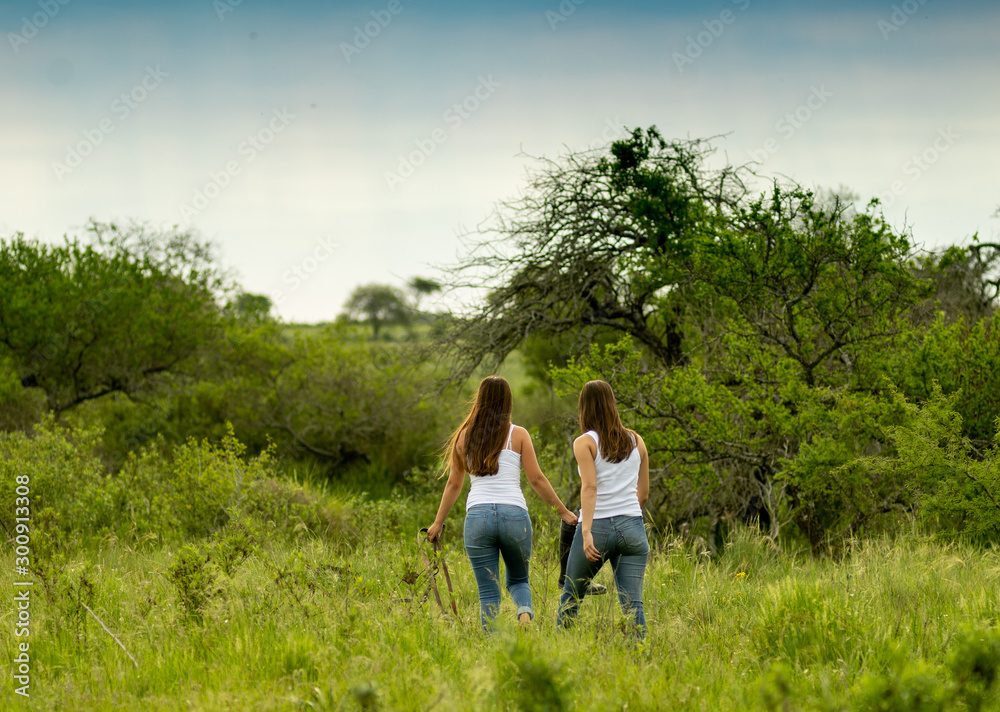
(434, 531)
(589, 550)
(569, 517)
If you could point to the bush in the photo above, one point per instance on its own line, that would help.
(194, 580)
(295, 510)
(191, 494)
(63, 474)
(956, 494)
(975, 666)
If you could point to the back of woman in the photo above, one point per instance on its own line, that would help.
(617, 483)
(614, 486)
(493, 451)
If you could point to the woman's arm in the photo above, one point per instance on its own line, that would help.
(585, 450)
(642, 491)
(538, 481)
(452, 488)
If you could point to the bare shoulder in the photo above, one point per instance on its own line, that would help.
(585, 442)
(640, 445)
(520, 438)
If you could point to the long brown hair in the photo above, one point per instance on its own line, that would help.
(598, 411)
(485, 429)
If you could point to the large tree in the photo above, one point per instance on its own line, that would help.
(109, 313)
(597, 243)
(751, 309)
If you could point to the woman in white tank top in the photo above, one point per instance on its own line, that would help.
(493, 450)
(614, 474)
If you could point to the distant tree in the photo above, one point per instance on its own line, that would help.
(250, 309)
(421, 287)
(379, 304)
(109, 314)
(966, 282)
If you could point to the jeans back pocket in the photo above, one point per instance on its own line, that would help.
(477, 527)
(517, 529)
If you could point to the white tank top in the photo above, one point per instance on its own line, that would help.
(617, 484)
(502, 488)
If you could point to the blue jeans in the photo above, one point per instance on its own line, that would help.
(492, 531)
(622, 541)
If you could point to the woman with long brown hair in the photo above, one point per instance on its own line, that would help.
(614, 487)
(493, 450)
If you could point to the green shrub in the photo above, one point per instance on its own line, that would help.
(532, 682)
(294, 510)
(956, 494)
(908, 686)
(192, 493)
(62, 474)
(193, 579)
(975, 665)
(235, 544)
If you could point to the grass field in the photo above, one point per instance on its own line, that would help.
(335, 625)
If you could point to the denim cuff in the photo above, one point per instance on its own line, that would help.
(525, 609)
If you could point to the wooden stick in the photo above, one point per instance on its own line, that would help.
(110, 633)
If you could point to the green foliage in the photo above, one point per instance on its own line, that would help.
(965, 280)
(322, 396)
(813, 282)
(381, 304)
(776, 689)
(20, 407)
(191, 493)
(196, 491)
(830, 497)
(250, 309)
(959, 359)
(533, 683)
(909, 686)
(294, 510)
(957, 494)
(974, 662)
(234, 545)
(64, 476)
(753, 326)
(113, 315)
(192, 577)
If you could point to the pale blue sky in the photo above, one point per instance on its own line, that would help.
(302, 140)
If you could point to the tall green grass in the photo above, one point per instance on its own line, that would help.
(314, 624)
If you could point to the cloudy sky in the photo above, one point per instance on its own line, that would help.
(324, 145)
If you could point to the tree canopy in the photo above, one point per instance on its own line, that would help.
(752, 328)
(107, 314)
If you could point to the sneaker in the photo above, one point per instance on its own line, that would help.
(596, 589)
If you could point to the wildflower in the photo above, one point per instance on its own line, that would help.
(740, 574)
